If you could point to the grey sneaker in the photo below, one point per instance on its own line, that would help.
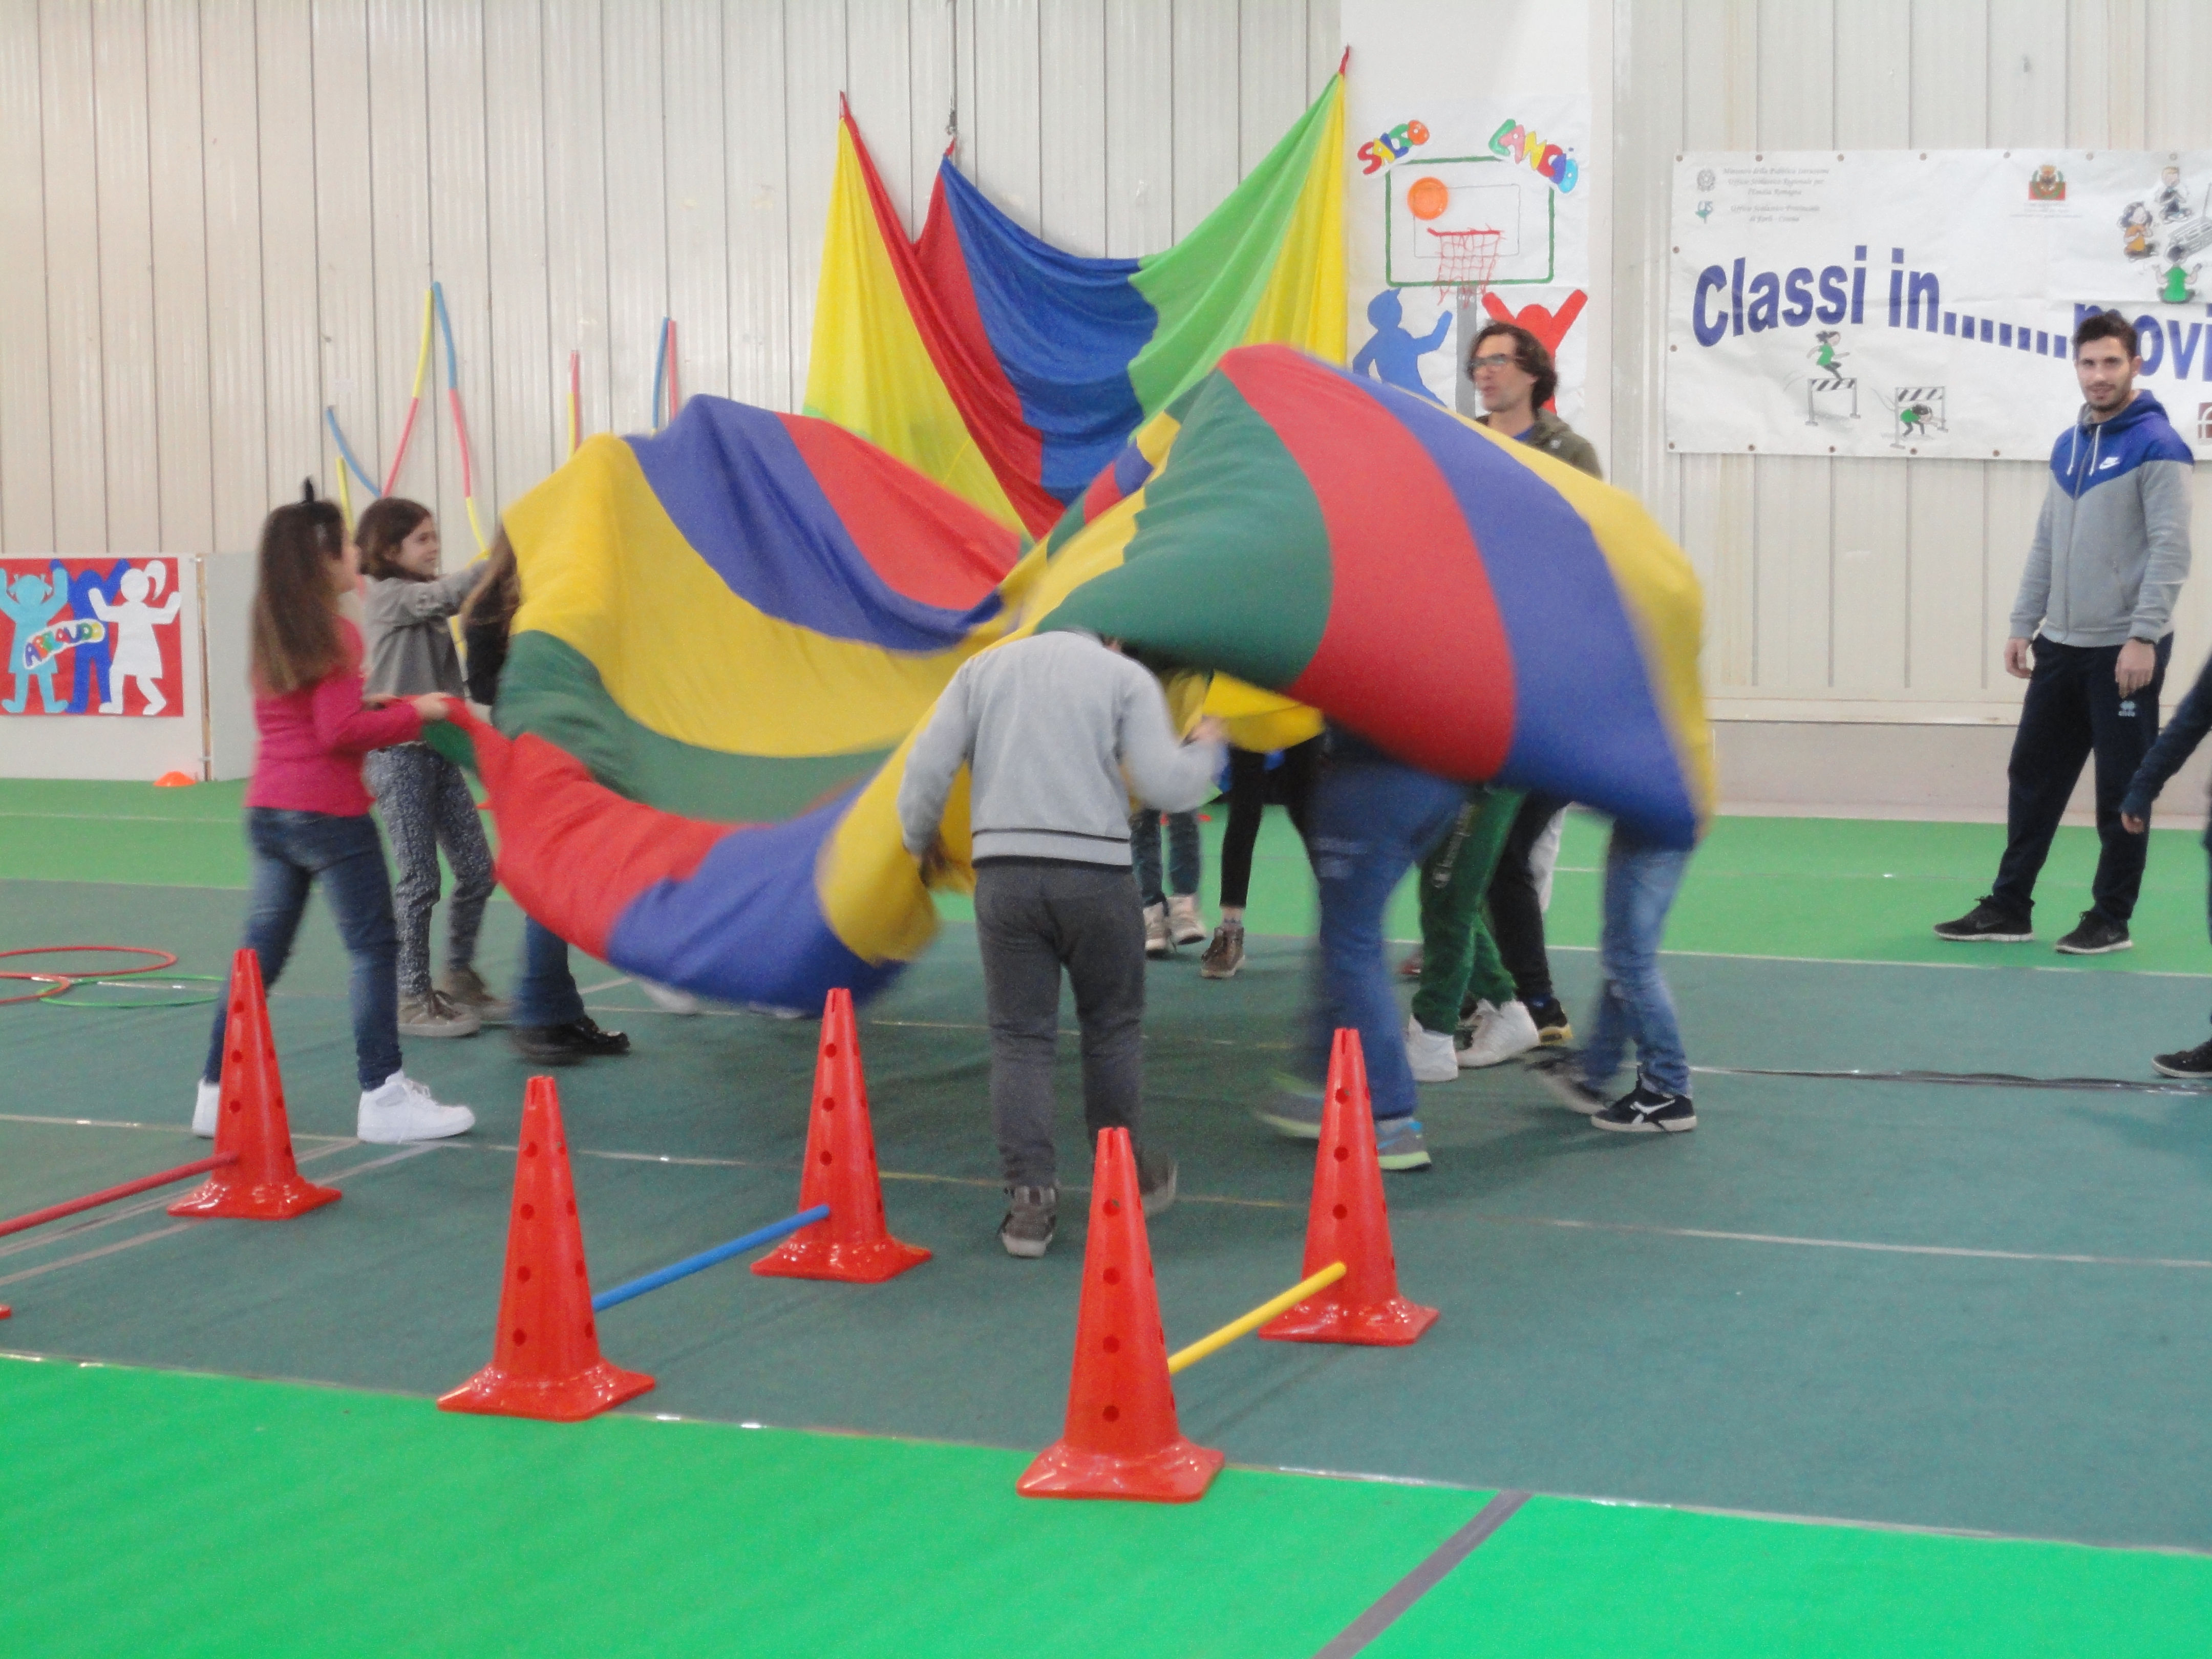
(1398, 1144)
(465, 989)
(1156, 1182)
(1294, 1109)
(1560, 1072)
(1032, 1218)
(1184, 921)
(432, 1016)
(1224, 954)
(1158, 942)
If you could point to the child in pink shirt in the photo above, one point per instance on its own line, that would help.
(306, 817)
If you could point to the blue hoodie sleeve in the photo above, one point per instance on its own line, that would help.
(2173, 748)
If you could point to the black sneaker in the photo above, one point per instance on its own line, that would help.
(1553, 1029)
(1988, 922)
(1032, 1219)
(564, 1045)
(2186, 1063)
(2097, 934)
(1648, 1111)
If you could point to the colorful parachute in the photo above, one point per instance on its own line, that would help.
(736, 619)
(1009, 370)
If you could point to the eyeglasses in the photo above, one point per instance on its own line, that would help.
(1501, 360)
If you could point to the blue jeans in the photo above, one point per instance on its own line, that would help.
(1182, 854)
(546, 993)
(291, 851)
(1373, 820)
(1634, 1007)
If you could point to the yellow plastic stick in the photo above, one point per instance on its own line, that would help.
(1252, 1321)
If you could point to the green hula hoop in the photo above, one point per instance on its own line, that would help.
(175, 982)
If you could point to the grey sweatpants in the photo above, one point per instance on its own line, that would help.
(1031, 920)
(425, 804)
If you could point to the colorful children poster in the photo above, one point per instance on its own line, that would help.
(91, 636)
(1904, 303)
(1468, 192)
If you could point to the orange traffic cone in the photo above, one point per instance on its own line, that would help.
(545, 1360)
(264, 1184)
(1349, 1222)
(855, 1244)
(1121, 1438)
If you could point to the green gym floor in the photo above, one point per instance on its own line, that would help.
(1910, 1361)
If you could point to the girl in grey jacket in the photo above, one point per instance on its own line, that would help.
(425, 800)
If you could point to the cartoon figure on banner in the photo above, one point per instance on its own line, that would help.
(92, 656)
(2171, 203)
(1828, 391)
(31, 602)
(137, 648)
(2135, 232)
(1393, 353)
(1919, 411)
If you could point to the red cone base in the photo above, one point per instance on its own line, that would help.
(855, 1244)
(264, 1184)
(1349, 1222)
(1121, 1439)
(545, 1360)
(1178, 1474)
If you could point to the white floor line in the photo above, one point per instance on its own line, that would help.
(604, 985)
(1845, 1243)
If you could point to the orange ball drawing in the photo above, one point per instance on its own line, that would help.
(1427, 198)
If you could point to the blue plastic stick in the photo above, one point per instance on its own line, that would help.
(659, 370)
(345, 453)
(452, 364)
(706, 1259)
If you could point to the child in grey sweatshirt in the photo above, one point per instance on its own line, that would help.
(1057, 732)
(424, 798)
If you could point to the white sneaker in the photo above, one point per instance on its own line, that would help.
(401, 1109)
(1157, 942)
(1429, 1053)
(205, 1107)
(1500, 1035)
(1184, 922)
(667, 998)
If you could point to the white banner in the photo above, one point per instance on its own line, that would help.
(1472, 184)
(1892, 303)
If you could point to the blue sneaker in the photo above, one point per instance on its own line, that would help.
(1398, 1144)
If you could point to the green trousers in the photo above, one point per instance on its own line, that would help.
(1459, 958)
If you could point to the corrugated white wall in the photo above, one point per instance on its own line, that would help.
(218, 215)
(1869, 589)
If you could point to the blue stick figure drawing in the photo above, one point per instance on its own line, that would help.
(1394, 355)
(31, 603)
(89, 682)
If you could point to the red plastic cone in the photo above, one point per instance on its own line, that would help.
(1121, 1438)
(264, 1184)
(855, 1244)
(545, 1360)
(1349, 1222)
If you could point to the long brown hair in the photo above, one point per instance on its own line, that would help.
(294, 620)
(385, 523)
(499, 595)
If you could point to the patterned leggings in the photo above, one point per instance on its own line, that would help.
(426, 805)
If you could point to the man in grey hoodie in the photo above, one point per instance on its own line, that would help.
(1057, 732)
(2091, 633)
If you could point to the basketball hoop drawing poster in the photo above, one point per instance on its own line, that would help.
(1461, 211)
(91, 636)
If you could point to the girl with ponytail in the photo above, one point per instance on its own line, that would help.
(307, 813)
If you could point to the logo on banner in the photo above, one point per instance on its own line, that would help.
(2204, 423)
(2046, 183)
